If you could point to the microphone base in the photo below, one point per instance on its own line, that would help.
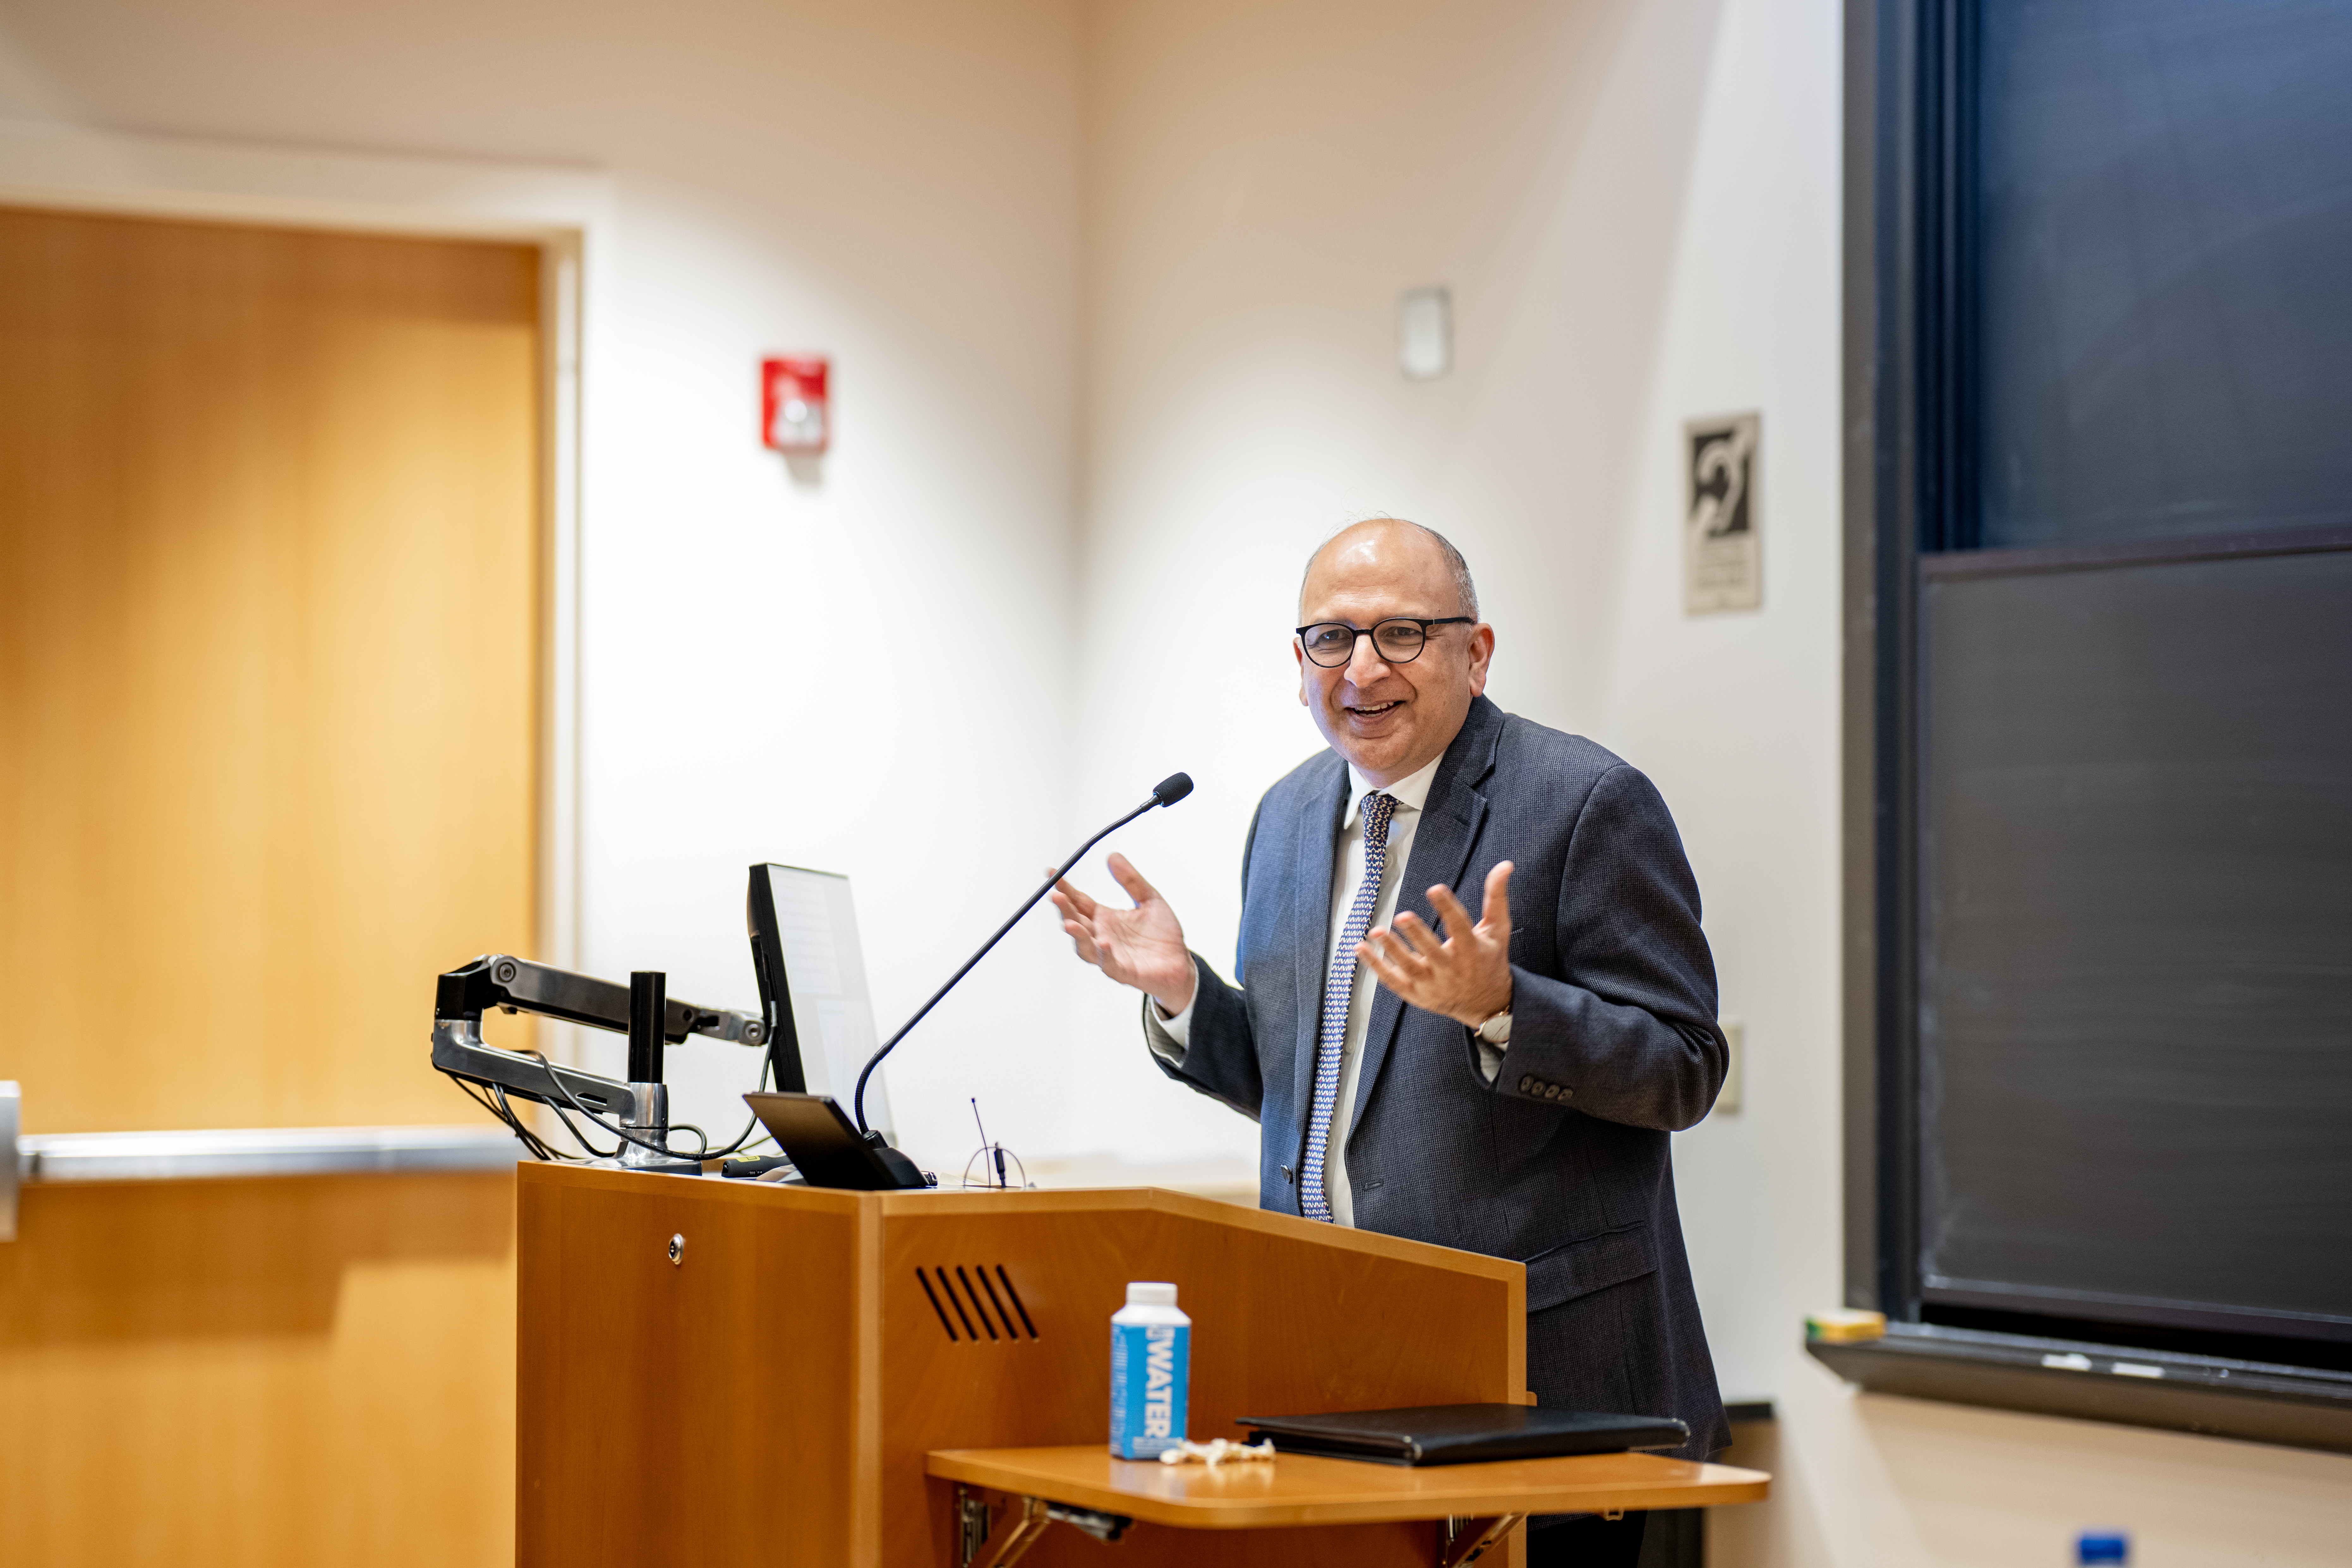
(901, 1168)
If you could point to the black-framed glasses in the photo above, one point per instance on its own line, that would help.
(1399, 639)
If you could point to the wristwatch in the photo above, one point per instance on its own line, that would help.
(1496, 1030)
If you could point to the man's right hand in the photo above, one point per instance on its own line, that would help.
(1143, 947)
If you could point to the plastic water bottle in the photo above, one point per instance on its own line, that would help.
(2102, 1547)
(1150, 1372)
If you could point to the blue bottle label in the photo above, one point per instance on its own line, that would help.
(1150, 1375)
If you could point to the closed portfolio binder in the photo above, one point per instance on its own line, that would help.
(1463, 1434)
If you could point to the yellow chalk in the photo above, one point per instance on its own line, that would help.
(1845, 1325)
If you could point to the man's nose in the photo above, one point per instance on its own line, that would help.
(1365, 664)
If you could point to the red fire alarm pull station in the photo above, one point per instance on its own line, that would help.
(795, 416)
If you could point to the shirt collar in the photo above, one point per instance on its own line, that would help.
(1410, 793)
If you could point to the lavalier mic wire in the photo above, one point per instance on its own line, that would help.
(1167, 791)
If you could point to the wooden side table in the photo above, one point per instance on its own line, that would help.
(1085, 1486)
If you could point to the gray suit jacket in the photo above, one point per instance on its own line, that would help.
(1562, 1161)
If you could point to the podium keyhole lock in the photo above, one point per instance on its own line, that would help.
(677, 1249)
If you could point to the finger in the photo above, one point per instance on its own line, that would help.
(1075, 906)
(1129, 877)
(1386, 973)
(1449, 909)
(1415, 936)
(1083, 940)
(1075, 900)
(1396, 955)
(1497, 913)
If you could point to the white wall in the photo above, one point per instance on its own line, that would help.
(1135, 262)
(772, 670)
(1636, 204)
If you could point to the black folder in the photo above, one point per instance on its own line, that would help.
(1461, 1434)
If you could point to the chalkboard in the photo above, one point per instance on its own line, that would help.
(2136, 986)
(2163, 237)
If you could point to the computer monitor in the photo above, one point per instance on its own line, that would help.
(775, 988)
(811, 971)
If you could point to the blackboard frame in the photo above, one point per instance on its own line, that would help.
(1908, 452)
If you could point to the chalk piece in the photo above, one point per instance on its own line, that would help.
(1845, 1325)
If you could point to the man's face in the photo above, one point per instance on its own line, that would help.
(1390, 720)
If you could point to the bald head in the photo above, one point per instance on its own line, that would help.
(1399, 547)
(1390, 713)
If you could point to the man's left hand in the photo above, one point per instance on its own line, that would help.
(1468, 976)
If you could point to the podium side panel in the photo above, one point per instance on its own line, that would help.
(1287, 1317)
(694, 1412)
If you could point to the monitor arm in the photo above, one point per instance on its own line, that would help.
(518, 986)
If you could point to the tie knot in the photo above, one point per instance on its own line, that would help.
(1377, 808)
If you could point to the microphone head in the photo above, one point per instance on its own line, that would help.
(1171, 789)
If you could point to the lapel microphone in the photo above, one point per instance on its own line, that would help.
(1167, 791)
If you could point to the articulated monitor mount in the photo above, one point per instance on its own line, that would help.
(635, 1111)
(641, 1009)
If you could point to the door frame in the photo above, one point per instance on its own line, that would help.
(565, 213)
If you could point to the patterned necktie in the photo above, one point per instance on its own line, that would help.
(1337, 991)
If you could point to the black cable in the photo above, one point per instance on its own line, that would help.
(514, 1119)
(540, 1149)
(531, 1145)
(590, 1151)
(767, 1066)
(614, 1128)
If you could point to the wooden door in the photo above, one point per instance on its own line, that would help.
(269, 631)
(270, 594)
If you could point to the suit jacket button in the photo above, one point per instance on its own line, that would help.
(1551, 1091)
(1527, 1083)
(1567, 1094)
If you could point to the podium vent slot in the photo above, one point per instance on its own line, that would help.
(924, 1281)
(973, 1296)
(971, 1306)
(1001, 1312)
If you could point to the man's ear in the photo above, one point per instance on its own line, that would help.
(1299, 653)
(1481, 657)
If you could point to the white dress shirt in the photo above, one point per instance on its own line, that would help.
(1167, 1035)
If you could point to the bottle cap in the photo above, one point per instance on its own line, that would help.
(2102, 1546)
(1148, 1293)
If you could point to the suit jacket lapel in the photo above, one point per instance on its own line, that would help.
(1313, 852)
(1450, 820)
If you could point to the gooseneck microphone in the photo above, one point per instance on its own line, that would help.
(1167, 791)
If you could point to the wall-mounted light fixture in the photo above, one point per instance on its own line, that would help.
(1425, 332)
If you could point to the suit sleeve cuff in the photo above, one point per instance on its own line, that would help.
(1167, 1037)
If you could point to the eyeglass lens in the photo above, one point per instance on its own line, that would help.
(1333, 643)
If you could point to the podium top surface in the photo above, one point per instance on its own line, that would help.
(1302, 1488)
(989, 1202)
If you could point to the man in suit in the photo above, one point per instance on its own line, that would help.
(1504, 1083)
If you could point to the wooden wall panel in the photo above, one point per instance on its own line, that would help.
(263, 1373)
(270, 524)
(269, 633)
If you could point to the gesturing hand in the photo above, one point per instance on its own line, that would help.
(1143, 947)
(1467, 977)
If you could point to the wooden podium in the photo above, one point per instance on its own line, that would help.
(732, 1372)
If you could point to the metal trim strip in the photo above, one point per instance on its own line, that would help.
(211, 1153)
